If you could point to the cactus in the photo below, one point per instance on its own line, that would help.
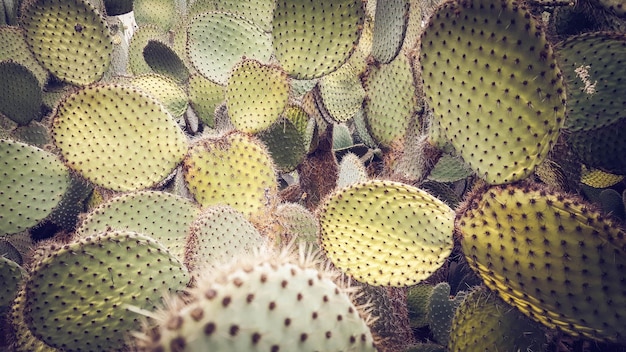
(204, 97)
(165, 90)
(141, 38)
(498, 95)
(386, 233)
(351, 171)
(142, 142)
(11, 274)
(441, 309)
(112, 271)
(418, 301)
(265, 302)
(163, 60)
(160, 13)
(20, 92)
(545, 253)
(29, 174)
(342, 93)
(285, 143)
(390, 26)
(599, 179)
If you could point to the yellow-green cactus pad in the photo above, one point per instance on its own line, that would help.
(551, 255)
(390, 25)
(256, 95)
(391, 100)
(492, 79)
(217, 41)
(593, 70)
(165, 61)
(258, 12)
(118, 137)
(14, 47)
(10, 275)
(205, 96)
(599, 179)
(285, 144)
(35, 133)
(163, 89)
(25, 341)
(263, 303)
(141, 38)
(234, 170)
(386, 233)
(20, 92)
(449, 168)
(32, 184)
(78, 298)
(162, 216)
(294, 221)
(342, 93)
(313, 38)
(160, 13)
(69, 38)
(414, 25)
(218, 234)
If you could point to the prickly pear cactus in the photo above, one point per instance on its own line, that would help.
(386, 233)
(11, 274)
(20, 92)
(546, 254)
(265, 302)
(114, 271)
(492, 79)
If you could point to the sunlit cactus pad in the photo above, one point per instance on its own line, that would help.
(342, 93)
(492, 79)
(162, 216)
(204, 97)
(285, 143)
(267, 302)
(32, 183)
(160, 13)
(256, 95)
(258, 12)
(141, 38)
(234, 170)
(599, 179)
(165, 90)
(69, 38)
(118, 137)
(14, 47)
(78, 297)
(386, 233)
(20, 92)
(217, 41)
(313, 38)
(163, 60)
(551, 255)
(24, 341)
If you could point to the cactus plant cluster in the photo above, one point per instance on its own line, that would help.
(323, 175)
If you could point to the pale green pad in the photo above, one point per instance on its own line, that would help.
(118, 137)
(285, 143)
(342, 93)
(77, 298)
(386, 233)
(160, 13)
(10, 276)
(165, 90)
(14, 47)
(69, 38)
(492, 79)
(390, 25)
(312, 38)
(32, 184)
(138, 42)
(217, 41)
(204, 97)
(20, 92)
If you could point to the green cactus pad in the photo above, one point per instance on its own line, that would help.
(386, 233)
(492, 79)
(263, 303)
(285, 144)
(218, 41)
(414, 26)
(160, 13)
(390, 25)
(391, 100)
(234, 170)
(546, 254)
(601, 148)
(599, 179)
(256, 95)
(14, 47)
(25, 341)
(10, 275)
(118, 137)
(22, 242)
(9, 252)
(483, 322)
(165, 61)
(351, 171)
(72, 205)
(218, 234)
(162, 216)
(69, 38)
(342, 93)
(165, 90)
(118, 7)
(296, 222)
(418, 301)
(205, 96)
(20, 92)
(313, 38)
(593, 70)
(138, 42)
(78, 297)
(258, 12)
(449, 169)
(35, 134)
(32, 184)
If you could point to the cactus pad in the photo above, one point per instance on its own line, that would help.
(234, 169)
(69, 38)
(313, 38)
(14, 47)
(285, 143)
(342, 93)
(20, 92)
(165, 90)
(263, 303)
(256, 95)
(138, 42)
(165, 61)
(390, 25)
(77, 298)
(386, 233)
(218, 41)
(10, 275)
(546, 254)
(118, 137)
(32, 184)
(205, 96)
(160, 13)
(492, 79)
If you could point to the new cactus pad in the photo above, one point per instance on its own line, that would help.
(386, 233)
(265, 302)
(492, 79)
(551, 255)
